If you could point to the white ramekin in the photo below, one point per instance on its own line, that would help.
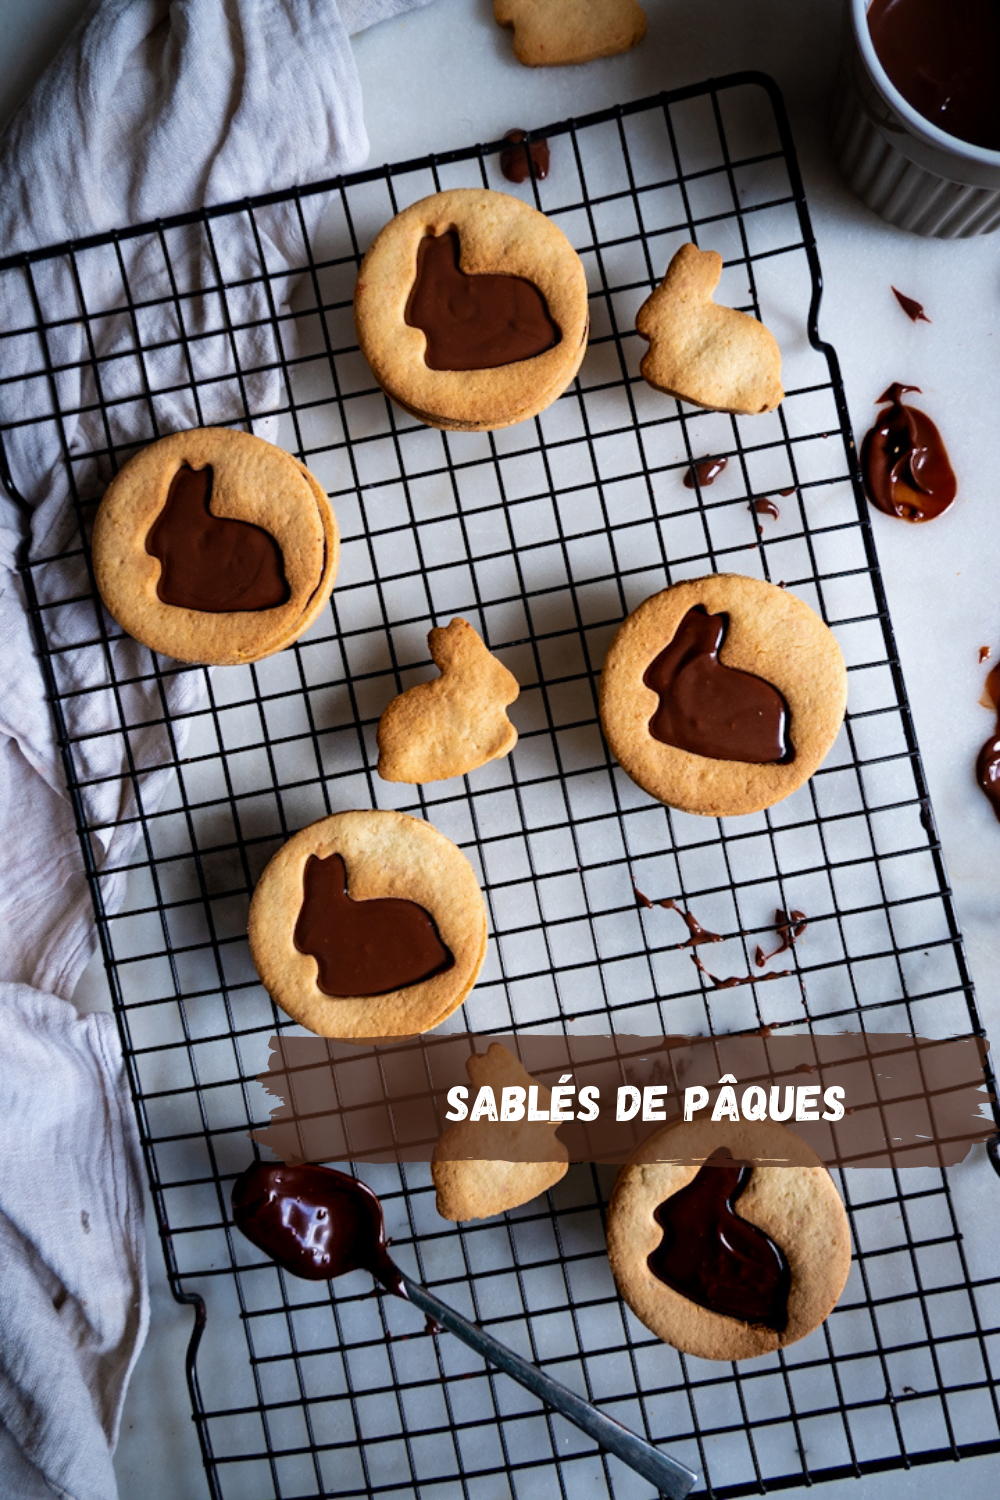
(911, 173)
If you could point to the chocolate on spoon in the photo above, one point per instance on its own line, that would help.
(318, 1223)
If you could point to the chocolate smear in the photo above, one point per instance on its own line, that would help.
(905, 463)
(735, 981)
(914, 310)
(696, 933)
(210, 563)
(474, 322)
(364, 948)
(707, 708)
(991, 687)
(316, 1223)
(715, 1258)
(518, 161)
(703, 472)
(765, 507)
(789, 927)
(988, 760)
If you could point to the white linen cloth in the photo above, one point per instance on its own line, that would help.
(153, 107)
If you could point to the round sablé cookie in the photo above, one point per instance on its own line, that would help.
(498, 235)
(249, 480)
(798, 1207)
(770, 634)
(385, 855)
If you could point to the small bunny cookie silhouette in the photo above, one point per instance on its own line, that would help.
(455, 723)
(469, 1184)
(548, 32)
(712, 356)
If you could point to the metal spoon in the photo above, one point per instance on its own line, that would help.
(319, 1224)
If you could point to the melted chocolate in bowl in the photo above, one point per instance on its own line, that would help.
(364, 948)
(214, 564)
(713, 1257)
(944, 58)
(474, 322)
(710, 709)
(906, 467)
(316, 1223)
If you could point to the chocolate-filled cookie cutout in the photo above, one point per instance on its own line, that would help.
(713, 1257)
(710, 709)
(905, 463)
(213, 564)
(314, 1221)
(474, 322)
(364, 947)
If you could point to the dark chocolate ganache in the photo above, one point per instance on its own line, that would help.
(212, 563)
(474, 322)
(368, 947)
(713, 1257)
(905, 463)
(944, 58)
(710, 709)
(316, 1223)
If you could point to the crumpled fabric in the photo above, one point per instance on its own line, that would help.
(152, 108)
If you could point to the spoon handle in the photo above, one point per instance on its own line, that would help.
(670, 1477)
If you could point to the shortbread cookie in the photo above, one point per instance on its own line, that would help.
(455, 723)
(711, 356)
(215, 546)
(727, 1261)
(471, 308)
(479, 1187)
(570, 31)
(368, 925)
(722, 695)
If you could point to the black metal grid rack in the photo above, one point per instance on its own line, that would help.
(543, 535)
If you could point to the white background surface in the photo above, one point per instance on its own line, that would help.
(446, 77)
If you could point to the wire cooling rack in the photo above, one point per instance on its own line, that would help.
(543, 536)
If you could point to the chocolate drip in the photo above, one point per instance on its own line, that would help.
(474, 322)
(789, 927)
(945, 61)
(212, 563)
(364, 947)
(735, 981)
(703, 472)
(905, 463)
(991, 687)
(696, 933)
(988, 761)
(988, 771)
(518, 162)
(713, 1257)
(316, 1223)
(765, 507)
(710, 709)
(913, 309)
(984, 655)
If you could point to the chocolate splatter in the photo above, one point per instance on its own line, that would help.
(789, 927)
